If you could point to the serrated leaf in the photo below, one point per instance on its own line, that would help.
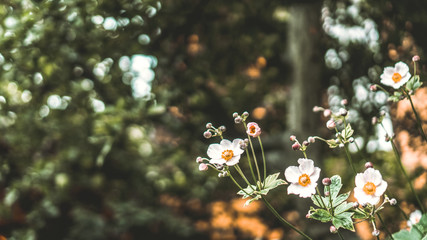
(317, 201)
(251, 200)
(343, 207)
(335, 186)
(331, 143)
(343, 220)
(407, 235)
(393, 99)
(348, 131)
(272, 182)
(359, 215)
(248, 191)
(321, 215)
(341, 198)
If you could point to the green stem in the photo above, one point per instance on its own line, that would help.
(250, 165)
(385, 226)
(320, 196)
(243, 175)
(237, 184)
(282, 220)
(350, 160)
(263, 158)
(339, 234)
(419, 123)
(399, 162)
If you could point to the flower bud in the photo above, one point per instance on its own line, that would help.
(327, 113)
(207, 134)
(341, 145)
(296, 146)
(351, 139)
(203, 167)
(220, 174)
(311, 139)
(235, 114)
(246, 140)
(327, 193)
(243, 145)
(326, 181)
(373, 87)
(416, 58)
(317, 109)
(305, 143)
(208, 125)
(238, 120)
(355, 205)
(344, 102)
(245, 114)
(343, 112)
(376, 233)
(374, 120)
(369, 165)
(292, 138)
(224, 174)
(308, 215)
(383, 113)
(333, 229)
(331, 124)
(222, 128)
(199, 159)
(253, 129)
(220, 167)
(393, 201)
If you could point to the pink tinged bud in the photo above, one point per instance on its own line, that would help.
(333, 229)
(207, 134)
(344, 102)
(373, 88)
(327, 194)
(238, 120)
(308, 215)
(311, 139)
(208, 125)
(222, 128)
(416, 58)
(253, 129)
(305, 143)
(293, 138)
(296, 146)
(369, 165)
(245, 114)
(331, 124)
(343, 112)
(355, 205)
(199, 159)
(326, 181)
(235, 114)
(376, 233)
(393, 201)
(203, 167)
(317, 109)
(327, 113)
(351, 139)
(374, 120)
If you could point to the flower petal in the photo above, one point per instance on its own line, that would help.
(214, 150)
(308, 190)
(218, 161)
(360, 181)
(295, 188)
(226, 144)
(292, 174)
(306, 166)
(233, 161)
(236, 146)
(316, 174)
(373, 176)
(381, 189)
(401, 68)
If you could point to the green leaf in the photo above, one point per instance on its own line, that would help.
(251, 200)
(320, 215)
(343, 207)
(272, 182)
(331, 143)
(341, 198)
(317, 201)
(335, 186)
(343, 220)
(360, 215)
(407, 235)
(348, 131)
(248, 191)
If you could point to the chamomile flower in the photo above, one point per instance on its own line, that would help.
(226, 152)
(370, 186)
(396, 76)
(302, 179)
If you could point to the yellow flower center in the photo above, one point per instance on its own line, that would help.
(304, 180)
(252, 129)
(369, 188)
(396, 77)
(227, 155)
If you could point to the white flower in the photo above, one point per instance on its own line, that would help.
(414, 218)
(225, 152)
(303, 178)
(369, 186)
(396, 76)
